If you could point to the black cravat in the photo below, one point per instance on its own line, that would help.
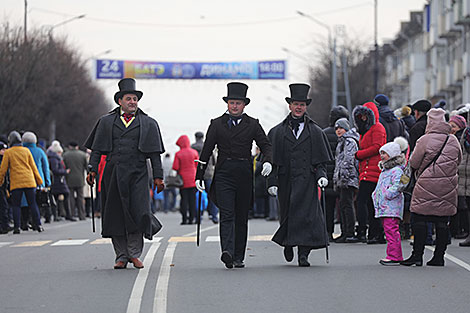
(233, 120)
(295, 123)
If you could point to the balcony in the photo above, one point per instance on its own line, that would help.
(462, 12)
(458, 71)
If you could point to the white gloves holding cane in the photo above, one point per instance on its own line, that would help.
(200, 186)
(322, 182)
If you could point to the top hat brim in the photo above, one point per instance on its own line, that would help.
(247, 100)
(119, 94)
(289, 100)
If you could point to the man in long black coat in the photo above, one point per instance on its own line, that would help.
(128, 137)
(300, 155)
(232, 185)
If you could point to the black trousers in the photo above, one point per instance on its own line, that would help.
(188, 204)
(366, 211)
(330, 203)
(234, 193)
(346, 208)
(419, 231)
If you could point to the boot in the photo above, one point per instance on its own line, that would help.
(442, 234)
(416, 258)
(465, 243)
(360, 235)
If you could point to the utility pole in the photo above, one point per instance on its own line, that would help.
(376, 52)
(25, 20)
(334, 82)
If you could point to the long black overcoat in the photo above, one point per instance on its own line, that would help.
(298, 164)
(125, 184)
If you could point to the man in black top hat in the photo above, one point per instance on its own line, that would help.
(232, 185)
(300, 154)
(128, 137)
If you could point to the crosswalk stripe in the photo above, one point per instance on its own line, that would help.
(212, 239)
(75, 242)
(101, 241)
(155, 239)
(38, 243)
(2, 244)
(260, 238)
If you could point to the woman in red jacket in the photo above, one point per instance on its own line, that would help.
(185, 166)
(373, 136)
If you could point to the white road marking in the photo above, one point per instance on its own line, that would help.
(212, 239)
(202, 230)
(161, 290)
(2, 244)
(75, 242)
(453, 259)
(37, 243)
(154, 240)
(135, 299)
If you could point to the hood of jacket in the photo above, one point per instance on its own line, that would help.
(352, 133)
(386, 113)
(29, 145)
(183, 142)
(52, 154)
(437, 122)
(368, 109)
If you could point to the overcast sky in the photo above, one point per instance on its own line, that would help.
(207, 30)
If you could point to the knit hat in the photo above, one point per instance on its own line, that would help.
(405, 111)
(343, 123)
(381, 99)
(56, 147)
(391, 148)
(441, 104)
(459, 121)
(29, 137)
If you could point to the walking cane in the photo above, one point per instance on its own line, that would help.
(326, 231)
(198, 217)
(92, 204)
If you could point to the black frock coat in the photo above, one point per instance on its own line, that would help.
(297, 166)
(125, 184)
(234, 143)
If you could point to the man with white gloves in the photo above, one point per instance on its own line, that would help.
(232, 185)
(300, 154)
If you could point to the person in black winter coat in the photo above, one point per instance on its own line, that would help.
(393, 126)
(420, 109)
(336, 113)
(407, 117)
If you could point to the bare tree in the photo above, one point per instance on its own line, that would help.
(44, 82)
(360, 73)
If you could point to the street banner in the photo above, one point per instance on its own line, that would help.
(118, 69)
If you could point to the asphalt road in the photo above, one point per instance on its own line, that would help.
(68, 268)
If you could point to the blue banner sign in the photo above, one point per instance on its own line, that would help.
(116, 69)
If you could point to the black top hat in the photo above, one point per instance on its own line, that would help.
(299, 92)
(236, 91)
(127, 85)
(422, 105)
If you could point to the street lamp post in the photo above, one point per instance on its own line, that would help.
(65, 22)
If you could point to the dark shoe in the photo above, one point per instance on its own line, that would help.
(465, 243)
(71, 219)
(120, 265)
(238, 264)
(389, 262)
(303, 261)
(38, 228)
(341, 239)
(288, 253)
(413, 260)
(137, 263)
(16, 231)
(436, 261)
(58, 219)
(356, 239)
(183, 223)
(461, 236)
(3, 231)
(376, 241)
(226, 257)
(215, 221)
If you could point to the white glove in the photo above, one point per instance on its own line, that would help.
(200, 185)
(267, 168)
(272, 191)
(173, 173)
(322, 182)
